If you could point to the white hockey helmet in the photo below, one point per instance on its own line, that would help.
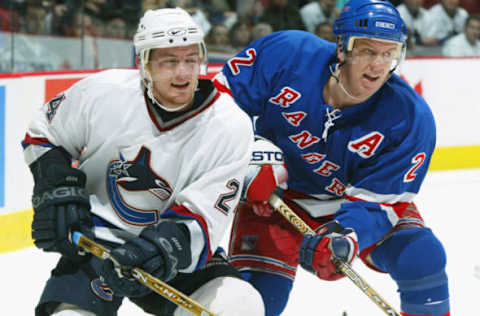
(165, 28)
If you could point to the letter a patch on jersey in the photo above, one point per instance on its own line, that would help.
(52, 106)
(366, 146)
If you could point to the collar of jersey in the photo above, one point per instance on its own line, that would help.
(204, 96)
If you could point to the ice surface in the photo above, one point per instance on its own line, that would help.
(448, 202)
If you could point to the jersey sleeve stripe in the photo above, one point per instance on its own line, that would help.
(34, 147)
(28, 140)
(387, 199)
(182, 213)
(221, 83)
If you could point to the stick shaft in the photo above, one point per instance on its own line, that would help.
(145, 278)
(279, 205)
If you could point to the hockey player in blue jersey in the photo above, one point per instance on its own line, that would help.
(357, 142)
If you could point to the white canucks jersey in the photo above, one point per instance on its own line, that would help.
(143, 164)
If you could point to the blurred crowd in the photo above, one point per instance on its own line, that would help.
(436, 27)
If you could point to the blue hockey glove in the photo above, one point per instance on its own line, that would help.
(332, 240)
(265, 173)
(60, 203)
(159, 250)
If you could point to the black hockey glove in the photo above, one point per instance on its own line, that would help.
(61, 204)
(159, 250)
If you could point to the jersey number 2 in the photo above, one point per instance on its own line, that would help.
(417, 161)
(222, 200)
(242, 61)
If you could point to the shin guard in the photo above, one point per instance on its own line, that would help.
(416, 260)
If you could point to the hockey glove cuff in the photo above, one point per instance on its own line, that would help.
(160, 250)
(331, 241)
(61, 204)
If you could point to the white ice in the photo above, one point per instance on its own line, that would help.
(447, 201)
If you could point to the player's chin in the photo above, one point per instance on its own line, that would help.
(369, 86)
(181, 99)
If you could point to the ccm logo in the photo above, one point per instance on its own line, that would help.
(267, 155)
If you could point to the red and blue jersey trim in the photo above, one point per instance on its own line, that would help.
(181, 212)
(40, 141)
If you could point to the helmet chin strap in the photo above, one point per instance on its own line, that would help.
(336, 76)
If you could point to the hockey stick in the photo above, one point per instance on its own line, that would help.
(143, 277)
(279, 205)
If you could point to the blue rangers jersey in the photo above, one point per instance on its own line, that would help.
(363, 164)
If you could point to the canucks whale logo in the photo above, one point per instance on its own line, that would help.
(135, 176)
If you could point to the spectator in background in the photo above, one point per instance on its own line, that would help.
(153, 4)
(220, 5)
(317, 12)
(102, 12)
(261, 29)
(116, 28)
(128, 10)
(96, 8)
(282, 16)
(466, 43)
(16, 5)
(56, 16)
(415, 17)
(218, 39)
(252, 10)
(240, 35)
(35, 21)
(8, 20)
(244, 7)
(218, 35)
(80, 24)
(30, 53)
(445, 20)
(195, 10)
(325, 30)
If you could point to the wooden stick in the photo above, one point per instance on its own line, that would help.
(143, 277)
(279, 205)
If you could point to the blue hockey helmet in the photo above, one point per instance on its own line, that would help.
(376, 19)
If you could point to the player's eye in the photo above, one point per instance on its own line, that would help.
(192, 60)
(171, 61)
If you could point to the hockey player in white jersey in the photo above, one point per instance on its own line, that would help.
(161, 160)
